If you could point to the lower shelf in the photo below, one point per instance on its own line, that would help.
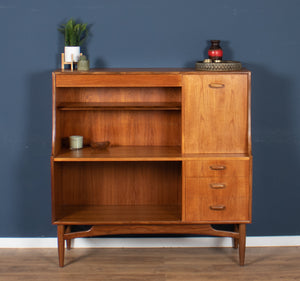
(93, 215)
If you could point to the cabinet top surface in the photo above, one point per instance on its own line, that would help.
(143, 71)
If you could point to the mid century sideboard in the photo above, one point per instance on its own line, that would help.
(179, 157)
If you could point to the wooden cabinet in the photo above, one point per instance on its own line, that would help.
(179, 155)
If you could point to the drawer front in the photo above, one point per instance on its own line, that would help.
(217, 199)
(217, 168)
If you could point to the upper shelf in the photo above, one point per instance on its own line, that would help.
(138, 153)
(121, 153)
(120, 106)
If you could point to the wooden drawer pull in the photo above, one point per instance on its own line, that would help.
(218, 208)
(217, 167)
(216, 85)
(217, 185)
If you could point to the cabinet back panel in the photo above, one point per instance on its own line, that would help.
(140, 94)
(118, 183)
(121, 128)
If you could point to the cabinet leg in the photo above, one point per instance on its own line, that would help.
(242, 243)
(235, 241)
(69, 244)
(68, 230)
(61, 244)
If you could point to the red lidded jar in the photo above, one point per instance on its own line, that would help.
(215, 52)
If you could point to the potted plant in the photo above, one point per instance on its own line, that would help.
(74, 34)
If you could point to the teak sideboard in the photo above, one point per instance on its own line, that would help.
(179, 158)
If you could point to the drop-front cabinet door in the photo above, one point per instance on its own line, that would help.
(215, 116)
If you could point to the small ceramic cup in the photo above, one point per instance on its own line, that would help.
(76, 142)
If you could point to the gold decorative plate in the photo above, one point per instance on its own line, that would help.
(225, 65)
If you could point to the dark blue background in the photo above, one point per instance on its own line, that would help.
(263, 34)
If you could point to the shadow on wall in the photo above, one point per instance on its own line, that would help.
(100, 63)
(34, 204)
(276, 155)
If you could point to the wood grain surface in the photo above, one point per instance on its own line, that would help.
(179, 152)
(215, 119)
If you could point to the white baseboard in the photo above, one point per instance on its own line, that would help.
(252, 241)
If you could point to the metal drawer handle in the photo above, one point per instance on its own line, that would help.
(216, 85)
(218, 208)
(217, 167)
(217, 185)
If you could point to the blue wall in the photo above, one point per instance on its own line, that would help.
(262, 34)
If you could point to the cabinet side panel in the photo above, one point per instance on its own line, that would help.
(56, 188)
(215, 113)
(249, 115)
(54, 128)
(250, 188)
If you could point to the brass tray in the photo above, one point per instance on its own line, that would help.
(226, 65)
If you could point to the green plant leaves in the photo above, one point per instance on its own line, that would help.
(75, 34)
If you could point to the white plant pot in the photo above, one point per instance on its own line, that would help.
(72, 50)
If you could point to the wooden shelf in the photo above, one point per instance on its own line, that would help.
(122, 153)
(91, 215)
(140, 153)
(120, 106)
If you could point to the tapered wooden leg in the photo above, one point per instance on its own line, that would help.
(61, 244)
(242, 243)
(68, 230)
(235, 241)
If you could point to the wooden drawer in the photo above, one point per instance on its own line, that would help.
(217, 199)
(217, 168)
